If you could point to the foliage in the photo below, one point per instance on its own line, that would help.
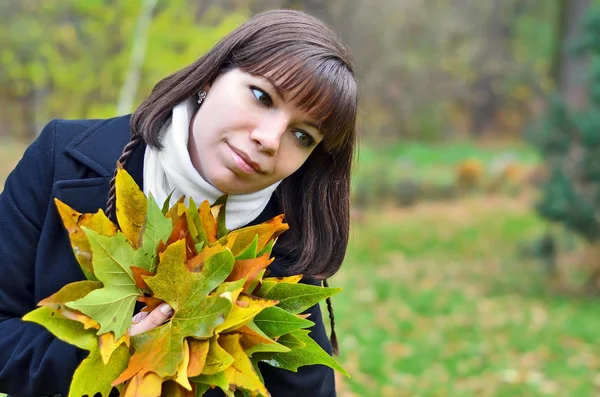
(568, 138)
(227, 316)
(69, 58)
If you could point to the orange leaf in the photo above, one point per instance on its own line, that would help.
(138, 272)
(251, 338)
(197, 263)
(198, 353)
(266, 232)
(209, 223)
(151, 303)
(249, 268)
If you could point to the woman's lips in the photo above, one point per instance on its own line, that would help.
(242, 164)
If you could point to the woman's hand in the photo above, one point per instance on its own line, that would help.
(144, 321)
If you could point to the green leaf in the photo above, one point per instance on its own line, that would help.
(219, 380)
(217, 359)
(69, 331)
(166, 204)
(268, 248)
(221, 225)
(250, 252)
(230, 286)
(93, 376)
(311, 354)
(295, 298)
(194, 219)
(111, 306)
(158, 228)
(267, 348)
(274, 322)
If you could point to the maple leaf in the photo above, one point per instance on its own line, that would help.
(305, 351)
(175, 284)
(92, 375)
(112, 305)
(294, 298)
(206, 382)
(198, 355)
(73, 221)
(241, 373)
(217, 359)
(274, 322)
(266, 232)
(69, 293)
(131, 206)
(249, 269)
(157, 229)
(254, 340)
(196, 314)
(243, 311)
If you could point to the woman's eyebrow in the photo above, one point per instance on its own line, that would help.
(275, 87)
(279, 93)
(313, 125)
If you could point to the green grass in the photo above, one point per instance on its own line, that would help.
(436, 163)
(437, 303)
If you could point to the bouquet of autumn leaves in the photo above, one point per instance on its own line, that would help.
(227, 315)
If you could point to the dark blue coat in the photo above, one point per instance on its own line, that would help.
(74, 161)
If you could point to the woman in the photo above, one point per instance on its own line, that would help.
(267, 116)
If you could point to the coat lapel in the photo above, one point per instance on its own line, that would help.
(100, 146)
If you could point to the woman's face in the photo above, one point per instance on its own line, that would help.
(246, 136)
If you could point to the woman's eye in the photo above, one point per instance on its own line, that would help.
(262, 96)
(304, 139)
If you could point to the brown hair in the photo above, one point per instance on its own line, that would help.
(307, 61)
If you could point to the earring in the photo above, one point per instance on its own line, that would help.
(201, 97)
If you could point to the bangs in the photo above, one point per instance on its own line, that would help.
(324, 88)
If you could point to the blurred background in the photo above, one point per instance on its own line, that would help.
(474, 263)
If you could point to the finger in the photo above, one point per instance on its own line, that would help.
(139, 317)
(156, 318)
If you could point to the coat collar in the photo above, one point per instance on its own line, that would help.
(100, 146)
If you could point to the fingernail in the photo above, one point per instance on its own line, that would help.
(165, 308)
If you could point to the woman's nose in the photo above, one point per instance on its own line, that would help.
(269, 132)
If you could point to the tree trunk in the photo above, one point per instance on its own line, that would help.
(568, 71)
(138, 54)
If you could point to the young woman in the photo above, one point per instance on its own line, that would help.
(266, 116)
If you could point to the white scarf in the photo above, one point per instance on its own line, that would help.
(171, 170)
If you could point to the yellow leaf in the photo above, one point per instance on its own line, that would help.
(69, 293)
(217, 359)
(182, 374)
(73, 220)
(266, 232)
(131, 207)
(147, 385)
(243, 313)
(108, 345)
(241, 373)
